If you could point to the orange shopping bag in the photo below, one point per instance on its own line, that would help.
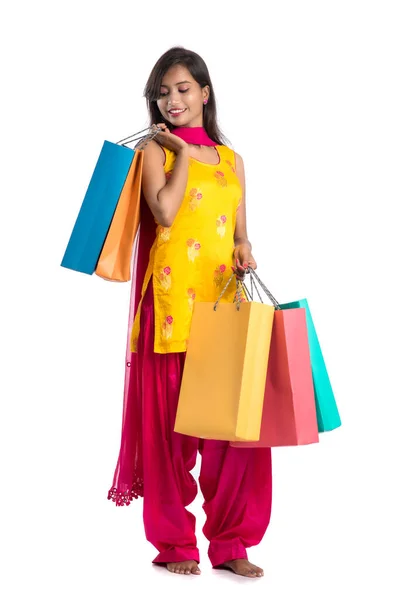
(115, 258)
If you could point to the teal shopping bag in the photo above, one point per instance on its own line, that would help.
(327, 411)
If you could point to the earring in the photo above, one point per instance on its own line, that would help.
(205, 101)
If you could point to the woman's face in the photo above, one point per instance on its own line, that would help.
(181, 99)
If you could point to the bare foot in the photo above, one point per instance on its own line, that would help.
(241, 566)
(187, 567)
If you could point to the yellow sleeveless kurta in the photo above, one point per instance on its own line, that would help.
(191, 260)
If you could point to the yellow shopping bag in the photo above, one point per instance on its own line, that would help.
(223, 383)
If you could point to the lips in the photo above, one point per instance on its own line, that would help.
(176, 112)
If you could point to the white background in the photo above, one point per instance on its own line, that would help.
(308, 93)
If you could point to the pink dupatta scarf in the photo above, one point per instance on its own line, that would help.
(128, 476)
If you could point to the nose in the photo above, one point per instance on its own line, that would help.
(173, 98)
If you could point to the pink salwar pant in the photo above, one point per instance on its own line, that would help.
(236, 483)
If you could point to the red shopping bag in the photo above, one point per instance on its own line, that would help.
(289, 415)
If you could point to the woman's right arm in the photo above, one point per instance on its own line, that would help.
(165, 197)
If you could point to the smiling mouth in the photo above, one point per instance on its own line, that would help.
(175, 113)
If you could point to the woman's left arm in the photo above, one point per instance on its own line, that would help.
(242, 253)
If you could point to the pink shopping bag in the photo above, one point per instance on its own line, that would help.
(289, 415)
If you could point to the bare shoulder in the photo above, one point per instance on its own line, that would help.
(153, 152)
(239, 164)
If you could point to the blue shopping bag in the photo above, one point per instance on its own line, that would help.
(327, 412)
(98, 207)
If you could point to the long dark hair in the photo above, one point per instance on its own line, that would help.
(199, 71)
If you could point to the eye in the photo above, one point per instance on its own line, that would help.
(184, 91)
(162, 94)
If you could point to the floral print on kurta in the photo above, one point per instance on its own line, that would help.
(193, 249)
(165, 278)
(167, 327)
(164, 233)
(221, 229)
(219, 274)
(191, 298)
(221, 179)
(230, 165)
(195, 197)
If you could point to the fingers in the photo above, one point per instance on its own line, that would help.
(251, 263)
(161, 126)
(239, 274)
(241, 268)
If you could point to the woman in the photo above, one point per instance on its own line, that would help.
(193, 232)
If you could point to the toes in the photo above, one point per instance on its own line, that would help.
(171, 568)
(244, 568)
(259, 572)
(249, 573)
(187, 568)
(196, 571)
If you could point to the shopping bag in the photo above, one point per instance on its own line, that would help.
(223, 381)
(327, 410)
(289, 414)
(98, 207)
(115, 259)
(99, 204)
